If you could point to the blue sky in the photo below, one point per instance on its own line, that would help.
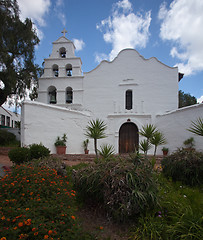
(169, 30)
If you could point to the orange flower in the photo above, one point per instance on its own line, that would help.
(3, 218)
(27, 209)
(50, 232)
(73, 217)
(3, 238)
(20, 224)
(34, 229)
(101, 228)
(15, 228)
(36, 233)
(46, 236)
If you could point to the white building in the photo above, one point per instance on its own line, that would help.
(8, 119)
(127, 93)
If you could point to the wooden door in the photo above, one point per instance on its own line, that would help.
(128, 138)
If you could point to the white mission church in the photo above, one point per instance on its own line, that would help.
(127, 93)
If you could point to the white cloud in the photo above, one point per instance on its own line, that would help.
(124, 29)
(36, 10)
(182, 25)
(79, 44)
(58, 9)
(200, 100)
(100, 56)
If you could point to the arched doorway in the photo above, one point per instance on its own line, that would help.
(128, 138)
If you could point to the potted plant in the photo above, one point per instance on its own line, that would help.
(60, 144)
(189, 143)
(165, 151)
(85, 145)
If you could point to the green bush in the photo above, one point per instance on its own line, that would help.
(19, 155)
(38, 151)
(37, 204)
(184, 165)
(7, 138)
(178, 215)
(124, 188)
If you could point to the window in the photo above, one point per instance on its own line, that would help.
(3, 120)
(69, 70)
(128, 99)
(52, 95)
(8, 119)
(55, 70)
(69, 95)
(62, 52)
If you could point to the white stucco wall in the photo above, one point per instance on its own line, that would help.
(174, 125)
(50, 122)
(154, 85)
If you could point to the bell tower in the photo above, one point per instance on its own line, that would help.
(61, 83)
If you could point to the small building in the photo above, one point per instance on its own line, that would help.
(126, 94)
(8, 119)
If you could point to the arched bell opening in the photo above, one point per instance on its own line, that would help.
(52, 95)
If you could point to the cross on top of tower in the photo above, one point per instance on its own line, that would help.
(64, 32)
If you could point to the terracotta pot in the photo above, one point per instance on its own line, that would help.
(61, 150)
(86, 151)
(165, 153)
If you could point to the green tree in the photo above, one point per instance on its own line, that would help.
(96, 130)
(185, 99)
(197, 127)
(17, 42)
(144, 146)
(157, 139)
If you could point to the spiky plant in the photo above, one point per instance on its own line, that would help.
(96, 130)
(197, 127)
(144, 146)
(157, 139)
(107, 151)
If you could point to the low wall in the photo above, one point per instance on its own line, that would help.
(174, 125)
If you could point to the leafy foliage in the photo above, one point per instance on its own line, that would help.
(189, 142)
(185, 99)
(157, 139)
(144, 146)
(197, 127)
(96, 130)
(107, 151)
(17, 43)
(7, 138)
(61, 141)
(178, 216)
(184, 165)
(19, 155)
(123, 187)
(38, 151)
(23, 155)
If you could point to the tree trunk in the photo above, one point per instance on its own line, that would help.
(95, 147)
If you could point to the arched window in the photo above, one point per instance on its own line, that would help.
(69, 70)
(129, 99)
(55, 70)
(52, 95)
(62, 52)
(69, 95)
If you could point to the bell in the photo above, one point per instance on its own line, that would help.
(52, 99)
(69, 73)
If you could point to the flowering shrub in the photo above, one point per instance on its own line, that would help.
(36, 203)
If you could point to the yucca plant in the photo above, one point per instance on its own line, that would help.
(157, 139)
(144, 146)
(148, 131)
(197, 127)
(96, 130)
(107, 151)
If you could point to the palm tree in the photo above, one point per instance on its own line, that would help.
(197, 127)
(144, 146)
(148, 131)
(95, 130)
(157, 139)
